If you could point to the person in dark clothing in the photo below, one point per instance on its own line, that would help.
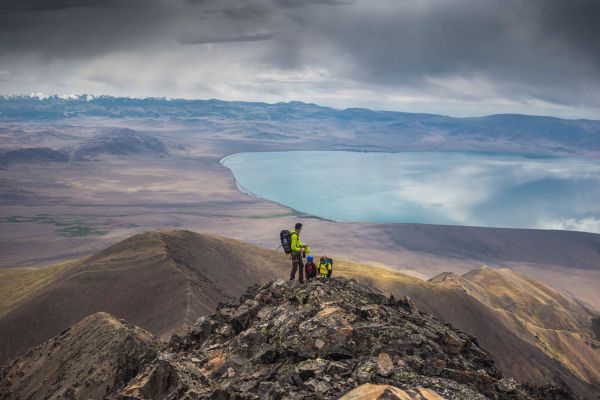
(310, 268)
(297, 254)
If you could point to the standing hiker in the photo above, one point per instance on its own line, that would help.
(298, 250)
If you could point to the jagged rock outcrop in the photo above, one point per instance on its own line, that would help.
(320, 341)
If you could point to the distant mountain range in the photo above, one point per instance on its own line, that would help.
(327, 128)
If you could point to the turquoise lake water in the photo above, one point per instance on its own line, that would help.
(458, 188)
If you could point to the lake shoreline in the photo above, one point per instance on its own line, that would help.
(433, 210)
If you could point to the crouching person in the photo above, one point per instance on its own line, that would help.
(325, 267)
(310, 268)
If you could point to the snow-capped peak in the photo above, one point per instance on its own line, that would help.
(69, 97)
(76, 97)
(85, 97)
(39, 96)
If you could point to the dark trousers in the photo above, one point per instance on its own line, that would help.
(297, 264)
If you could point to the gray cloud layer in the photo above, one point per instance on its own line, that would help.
(460, 57)
(236, 37)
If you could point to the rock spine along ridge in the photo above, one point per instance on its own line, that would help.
(323, 340)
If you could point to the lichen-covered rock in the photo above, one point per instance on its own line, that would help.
(452, 343)
(385, 366)
(507, 385)
(321, 340)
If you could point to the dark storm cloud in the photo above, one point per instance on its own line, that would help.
(546, 50)
(304, 3)
(475, 36)
(576, 22)
(65, 28)
(237, 37)
(33, 5)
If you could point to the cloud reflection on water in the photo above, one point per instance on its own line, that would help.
(460, 188)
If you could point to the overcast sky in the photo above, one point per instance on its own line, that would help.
(457, 57)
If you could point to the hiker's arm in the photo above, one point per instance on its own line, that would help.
(300, 245)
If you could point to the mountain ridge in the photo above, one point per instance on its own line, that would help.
(317, 340)
(87, 360)
(86, 97)
(139, 280)
(209, 269)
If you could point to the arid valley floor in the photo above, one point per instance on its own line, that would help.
(130, 174)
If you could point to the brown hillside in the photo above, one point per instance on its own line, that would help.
(558, 325)
(506, 311)
(96, 356)
(161, 281)
(17, 284)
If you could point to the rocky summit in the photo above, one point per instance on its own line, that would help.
(324, 340)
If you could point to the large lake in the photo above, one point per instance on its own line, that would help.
(458, 188)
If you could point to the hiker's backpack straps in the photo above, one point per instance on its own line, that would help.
(286, 241)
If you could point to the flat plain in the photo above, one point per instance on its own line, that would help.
(82, 175)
